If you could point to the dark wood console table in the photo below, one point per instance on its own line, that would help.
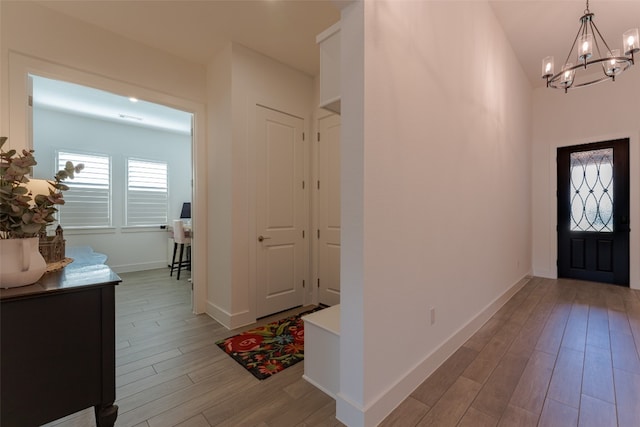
(57, 347)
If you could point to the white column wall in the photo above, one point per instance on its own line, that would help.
(598, 113)
(350, 401)
(436, 191)
(219, 183)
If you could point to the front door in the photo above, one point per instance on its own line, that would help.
(281, 212)
(593, 212)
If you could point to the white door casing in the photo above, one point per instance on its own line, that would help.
(328, 188)
(280, 211)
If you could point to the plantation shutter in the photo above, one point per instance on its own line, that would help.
(147, 192)
(88, 200)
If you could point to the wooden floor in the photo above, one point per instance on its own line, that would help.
(169, 372)
(559, 353)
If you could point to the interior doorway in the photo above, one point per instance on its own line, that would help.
(593, 212)
(146, 168)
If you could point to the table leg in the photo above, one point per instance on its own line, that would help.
(106, 416)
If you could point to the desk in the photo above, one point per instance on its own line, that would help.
(57, 343)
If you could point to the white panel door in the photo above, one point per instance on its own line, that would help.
(281, 213)
(329, 210)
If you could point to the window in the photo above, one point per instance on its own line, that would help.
(88, 201)
(592, 190)
(147, 192)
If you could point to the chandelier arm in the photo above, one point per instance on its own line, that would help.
(566, 61)
(553, 80)
(593, 25)
(597, 45)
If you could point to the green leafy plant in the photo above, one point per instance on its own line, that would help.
(23, 214)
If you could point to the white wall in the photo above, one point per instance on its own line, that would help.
(127, 249)
(38, 32)
(255, 80)
(43, 33)
(219, 156)
(436, 191)
(38, 40)
(598, 113)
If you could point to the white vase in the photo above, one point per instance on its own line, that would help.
(20, 262)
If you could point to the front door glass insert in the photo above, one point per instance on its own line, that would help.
(591, 190)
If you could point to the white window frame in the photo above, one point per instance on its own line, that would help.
(153, 210)
(89, 184)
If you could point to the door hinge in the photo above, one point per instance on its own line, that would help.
(303, 136)
(318, 184)
(318, 233)
(303, 234)
(318, 136)
(30, 100)
(303, 185)
(318, 282)
(303, 283)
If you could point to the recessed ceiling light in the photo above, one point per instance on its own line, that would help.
(134, 100)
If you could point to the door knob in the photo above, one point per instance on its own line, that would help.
(261, 238)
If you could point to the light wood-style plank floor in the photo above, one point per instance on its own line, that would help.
(559, 353)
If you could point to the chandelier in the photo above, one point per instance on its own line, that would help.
(591, 67)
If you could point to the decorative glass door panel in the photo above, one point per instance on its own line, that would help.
(591, 189)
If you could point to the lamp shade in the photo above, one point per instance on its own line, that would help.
(585, 47)
(37, 186)
(612, 67)
(547, 67)
(630, 41)
(566, 80)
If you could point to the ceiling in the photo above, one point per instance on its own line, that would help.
(286, 29)
(96, 103)
(193, 30)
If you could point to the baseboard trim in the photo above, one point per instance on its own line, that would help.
(130, 268)
(318, 386)
(353, 415)
(228, 320)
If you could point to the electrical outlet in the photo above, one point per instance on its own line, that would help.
(433, 315)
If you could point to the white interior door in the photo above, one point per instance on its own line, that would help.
(281, 213)
(329, 210)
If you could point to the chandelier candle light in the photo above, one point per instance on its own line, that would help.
(608, 66)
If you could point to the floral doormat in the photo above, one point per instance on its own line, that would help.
(268, 349)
